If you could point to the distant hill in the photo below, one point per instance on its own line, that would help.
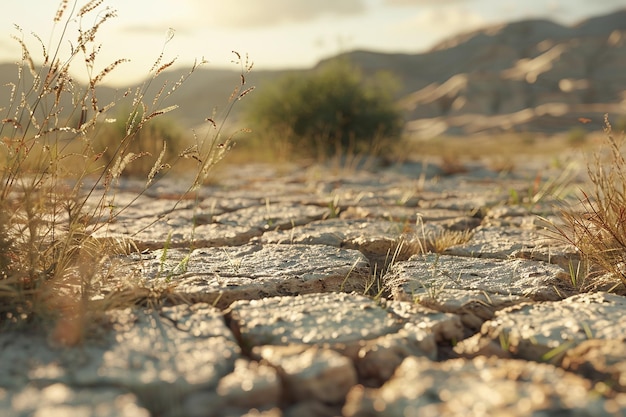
(530, 75)
(527, 75)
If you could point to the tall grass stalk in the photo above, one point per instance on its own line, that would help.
(56, 190)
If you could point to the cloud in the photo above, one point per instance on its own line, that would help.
(443, 21)
(255, 13)
(422, 2)
(145, 29)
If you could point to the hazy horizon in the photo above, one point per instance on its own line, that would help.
(277, 34)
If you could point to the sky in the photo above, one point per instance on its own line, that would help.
(275, 34)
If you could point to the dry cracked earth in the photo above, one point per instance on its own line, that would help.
(394, 291)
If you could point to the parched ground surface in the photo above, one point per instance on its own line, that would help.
(395, 291)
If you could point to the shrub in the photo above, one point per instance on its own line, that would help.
(577, 136)
(333, 106)
(620, 124)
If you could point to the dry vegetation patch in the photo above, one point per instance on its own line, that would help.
(61, 165)
(596, 225)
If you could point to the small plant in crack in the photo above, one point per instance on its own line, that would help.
(350, 271)
(433, 292)
(587, 330)
(433, 241)
(505, 339)
(164, 259)
(556, 354)
(578, 274)
(558, 187)
(446, 239)
(412, 192)
(433, 288)
(292, 231)
(235, 264)
(373, 284)
(270, 221)
(377, 286)
(333, 207)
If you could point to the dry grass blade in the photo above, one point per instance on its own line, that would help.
(60, 11)
(596, 226)
(436, 242)
(92, 5)
(158, 165)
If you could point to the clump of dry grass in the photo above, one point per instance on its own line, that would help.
(596, 225)
(435, 242)
(56, 188)
(408, 244)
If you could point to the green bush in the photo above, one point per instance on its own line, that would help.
(577, 136)
(333, 106)
(620, 124)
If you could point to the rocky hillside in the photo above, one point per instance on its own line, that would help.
(531, 75)
(527, 75)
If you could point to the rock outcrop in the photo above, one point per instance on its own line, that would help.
(539, 74)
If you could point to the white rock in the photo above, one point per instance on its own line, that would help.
(159, 356)
(60, 400)
(427, 276)
(312, 373)
(311, 319)
(251, 386)
(273, 216)
(223, 275)
(461, 387)
(545, 331)
(499, 243)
